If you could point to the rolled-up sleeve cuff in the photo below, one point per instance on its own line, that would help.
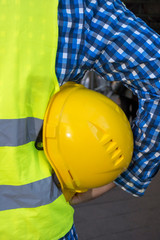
(132, 184)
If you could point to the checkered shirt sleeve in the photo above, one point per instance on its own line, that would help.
(71, 235)
(106, 37)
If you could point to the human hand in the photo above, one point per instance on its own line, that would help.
(91, 194)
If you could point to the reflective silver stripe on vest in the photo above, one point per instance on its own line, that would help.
(32, 195)
(16, 132)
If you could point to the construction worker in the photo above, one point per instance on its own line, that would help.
(43, 44)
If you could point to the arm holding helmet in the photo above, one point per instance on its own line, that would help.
(127, 50)
(121, 47)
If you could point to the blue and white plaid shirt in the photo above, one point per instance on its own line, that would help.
(106, 37)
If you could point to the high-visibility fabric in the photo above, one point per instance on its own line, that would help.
(31, 206)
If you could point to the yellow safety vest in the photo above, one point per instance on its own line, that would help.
(31, 206)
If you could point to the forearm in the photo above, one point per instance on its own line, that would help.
(91, 194)
(146, 158)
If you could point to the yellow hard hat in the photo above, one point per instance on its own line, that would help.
(87, 139)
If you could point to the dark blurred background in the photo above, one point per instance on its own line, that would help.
(118, 215)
